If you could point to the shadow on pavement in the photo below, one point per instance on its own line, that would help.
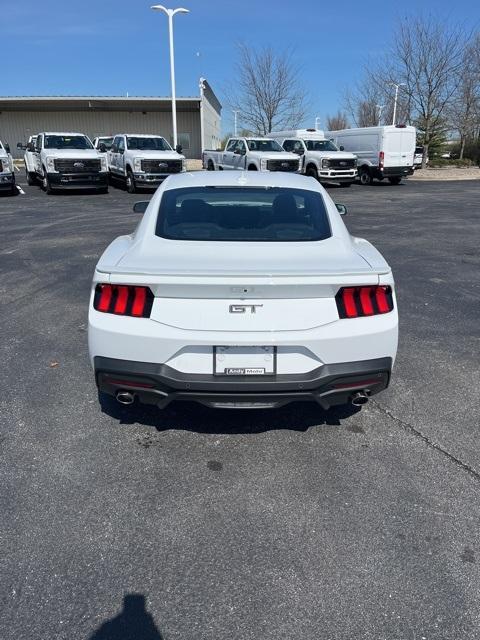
(189, 416)
(132, 623)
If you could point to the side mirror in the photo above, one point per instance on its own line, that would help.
(120, 150)
(178, 148)
(140, 207)
(30, 146)
(341, 147)
(342, 209)
(102, 148)
(21, 145)
(114, 148)
(7, 147)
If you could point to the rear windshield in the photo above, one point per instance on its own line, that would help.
(264, 145)
(148, 144)
(106, 141)
(250, 214)
(320, 145)
(67, 142)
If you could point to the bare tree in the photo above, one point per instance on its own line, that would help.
(427, 56)
(337, 122)
(267, 91)
(464, 109)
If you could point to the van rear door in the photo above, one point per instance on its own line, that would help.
(399, 147)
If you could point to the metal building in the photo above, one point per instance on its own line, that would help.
(198, 118)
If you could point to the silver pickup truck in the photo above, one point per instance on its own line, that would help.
(250, 154)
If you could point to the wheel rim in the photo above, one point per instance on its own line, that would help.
(45, 182)
(365, 178)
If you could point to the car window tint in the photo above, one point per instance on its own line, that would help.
(253, 214)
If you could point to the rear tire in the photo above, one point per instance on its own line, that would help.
(130, 182)
(365, 177)
(395, 180)
(312, 171)
(210, 166)
(31, 178)
(252, 167)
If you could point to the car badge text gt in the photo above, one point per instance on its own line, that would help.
(243, 308)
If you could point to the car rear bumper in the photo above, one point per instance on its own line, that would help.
(159, 384)
(78, 180)
(393, 172)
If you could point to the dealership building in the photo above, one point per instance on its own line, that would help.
(198, 118)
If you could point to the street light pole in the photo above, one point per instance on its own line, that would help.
(170, 13)
(235, 122)
(397, 86)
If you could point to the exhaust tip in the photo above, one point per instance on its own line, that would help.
(359, 398)
(125, 397)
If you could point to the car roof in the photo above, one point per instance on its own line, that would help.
(140, 135)
(241, 178)
(61, 133)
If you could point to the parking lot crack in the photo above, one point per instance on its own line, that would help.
(410, 428)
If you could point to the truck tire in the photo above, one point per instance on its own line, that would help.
(210, 166)
(252, 167)
(365, 177)
(130, 182)
(312, 171)
(395, 180)
(46, 184)
(31, 178)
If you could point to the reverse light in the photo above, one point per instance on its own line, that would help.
(123, 300)
(357, 302)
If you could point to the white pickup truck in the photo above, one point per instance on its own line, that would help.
(103, 143)
(7, 175)
(61, 160)
(143, 161)
(251, 154)
(29, 159)
(320, 158)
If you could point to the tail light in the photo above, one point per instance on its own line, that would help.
(381, 158)
(123, 300)
(356, 302)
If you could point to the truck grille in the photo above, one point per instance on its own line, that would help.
(161, 166)
(335, 163)
(282, 165)
(77, 166)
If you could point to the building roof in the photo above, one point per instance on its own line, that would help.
(108, 103)
(95, 103)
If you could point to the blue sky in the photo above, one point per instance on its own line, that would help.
(111, 47)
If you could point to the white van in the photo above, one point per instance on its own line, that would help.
(382, 152)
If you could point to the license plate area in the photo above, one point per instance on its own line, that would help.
(244, 361)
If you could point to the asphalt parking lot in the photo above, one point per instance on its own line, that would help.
(290, 523)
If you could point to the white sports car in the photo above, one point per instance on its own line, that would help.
(242, 291)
